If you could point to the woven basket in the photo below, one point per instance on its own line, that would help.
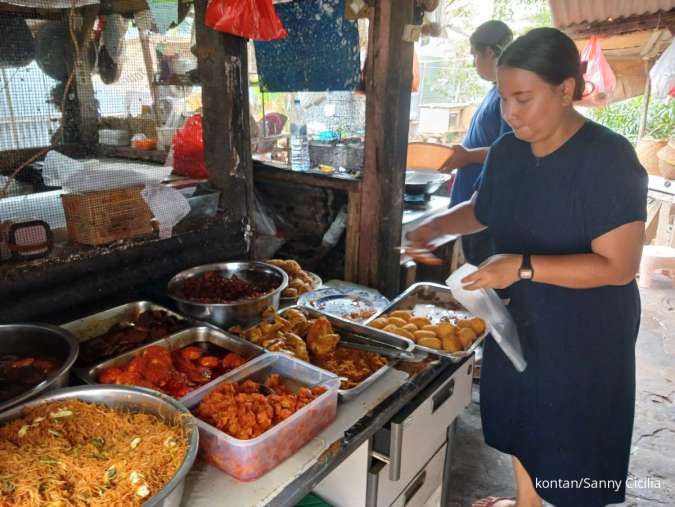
(666, 157)
(96, 218)
(646, 150)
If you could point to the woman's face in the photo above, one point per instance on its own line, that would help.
(531, 106)
(485, 63)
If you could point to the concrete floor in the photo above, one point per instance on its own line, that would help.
(480, 471)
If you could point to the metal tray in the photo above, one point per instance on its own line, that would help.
(343, 302)
(177, 341)
(437, 301)
(368, 335)
(94, 325)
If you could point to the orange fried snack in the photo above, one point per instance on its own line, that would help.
(242, 411)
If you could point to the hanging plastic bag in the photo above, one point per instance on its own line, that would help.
(662, 74)
(250, 19)
(188, 150)
(599, 76)
(485, 303)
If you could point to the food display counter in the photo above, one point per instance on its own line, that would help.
(279, 407)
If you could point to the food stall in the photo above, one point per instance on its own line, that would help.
(349, 391)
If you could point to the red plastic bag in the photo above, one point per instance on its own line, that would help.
(250, 19)
(188, 150)
(599, 76)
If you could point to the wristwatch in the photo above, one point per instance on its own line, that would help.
(526, 272)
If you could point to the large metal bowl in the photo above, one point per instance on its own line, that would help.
(39, 340)
(135, 399)
(240, 312)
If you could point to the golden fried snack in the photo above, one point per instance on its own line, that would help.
(420, 322)
(433, 343)
(446, 330)
(390, 328)
(321, 340)
(452, 344)
(290, 292)
(396, 321)
(410, 327)
(402, 332)
(378, 323)
(419, 335)
(478, 325)
(401, 314)
(466, 336)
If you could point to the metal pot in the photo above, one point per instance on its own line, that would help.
(226, 314)
(424, 182)
(135, 399)
(38, 340)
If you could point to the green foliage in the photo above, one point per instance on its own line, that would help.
(624, 117)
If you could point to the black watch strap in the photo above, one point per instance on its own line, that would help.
(526, 272)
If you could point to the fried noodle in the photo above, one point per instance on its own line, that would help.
(73, 453)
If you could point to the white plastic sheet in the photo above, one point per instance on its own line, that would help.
(486, 304)
(662, 74)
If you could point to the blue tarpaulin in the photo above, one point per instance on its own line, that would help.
(320, 53)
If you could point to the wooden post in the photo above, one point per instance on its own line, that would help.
(223, 70)
(388, 79)
(645, 101)
(86, 99)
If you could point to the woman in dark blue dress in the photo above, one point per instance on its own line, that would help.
(565, 201)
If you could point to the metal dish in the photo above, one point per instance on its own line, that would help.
(365, 335)
(345, 303)
(176, 341)
(424, 182)
(240, 312)
(135, 399)
(434, 301)
(94, 325)
(39, 339)
(317, 282)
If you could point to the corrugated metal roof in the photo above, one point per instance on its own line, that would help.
(571, 12)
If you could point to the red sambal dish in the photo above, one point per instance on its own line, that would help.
(213, 287)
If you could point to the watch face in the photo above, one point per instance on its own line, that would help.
(525, 274)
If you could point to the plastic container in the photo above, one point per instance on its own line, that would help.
(247, 460)
(299, 141)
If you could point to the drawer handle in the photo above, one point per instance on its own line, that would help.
(444, 394)
(415, 487)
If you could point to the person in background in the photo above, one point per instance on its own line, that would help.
(565, 200)
(487, 125)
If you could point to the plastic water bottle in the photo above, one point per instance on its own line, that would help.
(299, 141)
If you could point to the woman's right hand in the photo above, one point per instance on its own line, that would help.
(420, 246)
(458, 159)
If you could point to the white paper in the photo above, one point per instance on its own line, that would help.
(168, 206)
(486, 304)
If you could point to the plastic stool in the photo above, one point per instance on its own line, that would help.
(656, 258)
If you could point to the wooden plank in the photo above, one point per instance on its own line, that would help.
(352, 236)
(651, 226)
(388, 79)
(11, 159)
(223, 70)
(269, 171)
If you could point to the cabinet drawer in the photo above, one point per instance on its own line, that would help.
(416, 433)
(424, 484)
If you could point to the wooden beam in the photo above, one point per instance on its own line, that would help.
(84, 20)
(270, 171)
(223, 70)
(388, 79)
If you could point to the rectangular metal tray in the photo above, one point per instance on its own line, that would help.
(439, 302)
(96, 324)
(177, 341)
(359, 330)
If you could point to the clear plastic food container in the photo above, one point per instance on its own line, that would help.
(247, 460)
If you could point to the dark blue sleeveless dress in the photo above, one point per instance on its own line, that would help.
(569, 416)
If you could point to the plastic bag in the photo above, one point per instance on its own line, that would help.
(662, 74)
(485, 303)
(250, 19)
(188, 150)
(599, 76)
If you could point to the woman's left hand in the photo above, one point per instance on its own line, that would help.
(497, 272)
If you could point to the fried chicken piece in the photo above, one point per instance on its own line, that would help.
(297, 345)
(321, 340)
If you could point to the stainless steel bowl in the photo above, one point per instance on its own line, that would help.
(227, 314)
(39, 340)
(135, 399)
